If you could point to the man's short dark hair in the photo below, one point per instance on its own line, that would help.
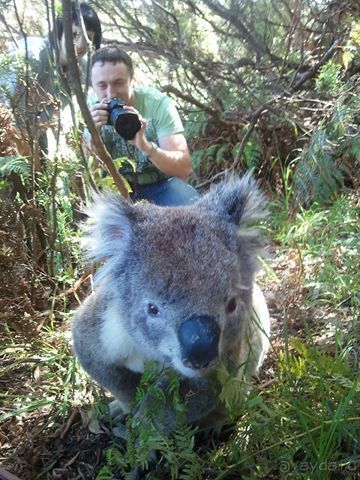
(91, 21)
(113, 54)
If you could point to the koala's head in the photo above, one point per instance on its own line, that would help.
(181, 277)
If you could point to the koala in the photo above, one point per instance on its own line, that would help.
(176, 287)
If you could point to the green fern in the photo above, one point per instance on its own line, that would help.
(146, 432)
(321, 169)
(328, 79)
(205, 159)
(232, 393)
(19, 165)
(316, 176)
(252, 156)
(105, 474)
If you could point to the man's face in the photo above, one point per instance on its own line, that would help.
(112, 80)
(79, 43)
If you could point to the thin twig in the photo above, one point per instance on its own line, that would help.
(246, 137)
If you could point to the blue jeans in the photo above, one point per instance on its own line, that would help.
(170, 192)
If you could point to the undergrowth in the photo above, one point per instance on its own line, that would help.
(41, 381)
(327, 239)
(305, 425)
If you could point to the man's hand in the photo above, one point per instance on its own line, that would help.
(99, 114)
(139, 140)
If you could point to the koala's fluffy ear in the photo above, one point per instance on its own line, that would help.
(108, 227)
(236, 200)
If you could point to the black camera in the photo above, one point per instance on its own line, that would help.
(126, 123)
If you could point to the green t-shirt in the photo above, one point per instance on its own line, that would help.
(162, 120)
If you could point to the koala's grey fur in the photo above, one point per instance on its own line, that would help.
(189, 261)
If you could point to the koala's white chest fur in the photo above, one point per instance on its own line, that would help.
(118, 346)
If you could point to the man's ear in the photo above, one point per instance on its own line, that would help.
(108, 228)
(236, 200)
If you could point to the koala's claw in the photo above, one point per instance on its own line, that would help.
(117, 418)
(115, 409)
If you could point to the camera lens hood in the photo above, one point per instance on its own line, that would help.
(126, 123)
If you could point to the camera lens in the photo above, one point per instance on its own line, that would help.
(126, 124)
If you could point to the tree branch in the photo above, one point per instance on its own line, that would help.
(303, 78)
(190, 99)
(313, 70)
(234, 19)
(254, 119)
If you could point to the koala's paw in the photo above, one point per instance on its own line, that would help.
(116, 411)
(118, 420)
(156, 405)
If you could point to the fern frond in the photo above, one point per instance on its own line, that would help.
(19, 165)
(317, 177)
(321, 169)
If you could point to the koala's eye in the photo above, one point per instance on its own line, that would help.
(231, 306)
(152, 310)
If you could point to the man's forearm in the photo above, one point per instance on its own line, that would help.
(174, 163)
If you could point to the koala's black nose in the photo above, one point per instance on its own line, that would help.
(199, 340)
